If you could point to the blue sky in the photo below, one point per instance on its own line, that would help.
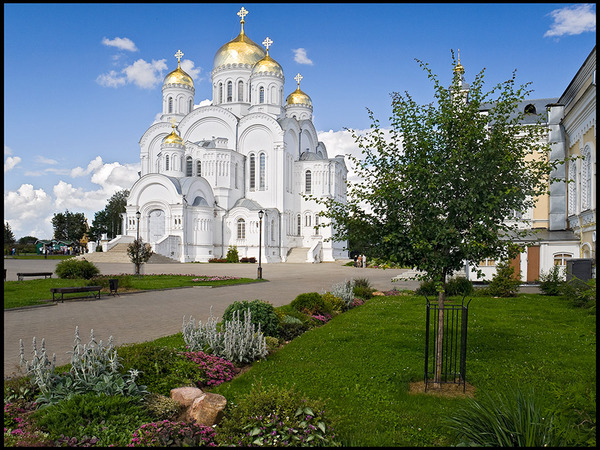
(82, 82)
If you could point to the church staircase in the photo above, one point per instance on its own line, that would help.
(118, 254)
(297, 255)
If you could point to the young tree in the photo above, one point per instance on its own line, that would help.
(436, 191)
(9, 236)
(109, 219)
(139, 253)
(69, 226)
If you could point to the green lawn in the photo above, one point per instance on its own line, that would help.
(37, 291)
(362, 362)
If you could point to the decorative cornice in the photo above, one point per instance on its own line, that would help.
(178, 85)
(231, 66)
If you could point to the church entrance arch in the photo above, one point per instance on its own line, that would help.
(156, 225)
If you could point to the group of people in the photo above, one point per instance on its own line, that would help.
(360, 261)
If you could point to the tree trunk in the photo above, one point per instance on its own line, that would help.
(439, 340)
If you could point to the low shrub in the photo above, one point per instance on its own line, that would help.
(512, 419)
(272, 344)
(581, 294)
(336, 304)
(363, 292)
(73, 268)
(263, 313)
(310, 303)
(173, 434)
(161, 368)
(20, 390)
(232, 255)
(459, 286)
(112, 419)
(275, 416)
(345, 291)
(427, 288)
(551, 282)
(217, 260)
(18, 430)
(161, 407)
(505, 283)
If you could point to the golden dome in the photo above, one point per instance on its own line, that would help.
(178, 76)
(298, 97)
(242, 50)
(172, 138)
(459, 67)
(267, 64)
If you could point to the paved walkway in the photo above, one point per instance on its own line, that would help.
(140, 317)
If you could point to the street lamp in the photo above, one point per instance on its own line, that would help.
(137, 265)
(261, 214)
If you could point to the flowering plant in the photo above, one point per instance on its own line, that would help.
(321, 318)
(173, 434)
(216, 370)
(18, 432)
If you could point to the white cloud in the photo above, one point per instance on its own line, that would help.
(300, 56)
(572, 20)
(120, 43)
(188, 67)
(11, 162)
(43, 160)
(28, 211)
(93, 165)
(144, 74)
(205, 102)
(111, 79)
(7, 150)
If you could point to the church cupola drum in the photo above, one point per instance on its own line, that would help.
(208, 170)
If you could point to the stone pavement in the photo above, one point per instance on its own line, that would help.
(140, 317)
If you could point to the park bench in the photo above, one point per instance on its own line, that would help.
(69, 290)
(20, 275)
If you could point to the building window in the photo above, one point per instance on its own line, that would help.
(488, 262)
(261, 95)
(220, 92)
(241, 229)
(252, 172)
(198, 168)
(272, 230)
(572, 188)
(560, 259)
(586, 179)
(249, 92)
(167, 162)
(262, 172)
(190, 106)
(299, 229)
(235, 175)
(307, 220)
(188, 166)
(229, 91)
(240, 91)
(530, 109)
(308, 182)
(170, 104)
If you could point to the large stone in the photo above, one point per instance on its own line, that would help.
(185, 396)
(207, 409)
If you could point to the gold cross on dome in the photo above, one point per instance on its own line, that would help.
(242, 13)
(173, 121)
(267, 43)
(298, 78)
(178, 55)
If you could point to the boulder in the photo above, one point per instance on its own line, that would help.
(207, 409)
(185, 396)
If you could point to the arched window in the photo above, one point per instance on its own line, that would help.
(241, 229)
(572, 188)
(167, 162)
(272, 230)
(261, 95)
(249, 92)
(252, 172)
(229, 91)
(188, 166)
(220, 92)
(190, 105)
(560, 259)
(299, 221)
(307, 220)
(530, 109)
(235, 175)
(240, 91)
(308, 182)
(170, 104)
(198, 168)
(262, 172)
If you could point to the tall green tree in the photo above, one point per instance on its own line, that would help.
(28, 240)
(9, 236)
(436, 189)
(69, 226)
(109, 219)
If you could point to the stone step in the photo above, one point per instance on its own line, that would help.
(297, 255)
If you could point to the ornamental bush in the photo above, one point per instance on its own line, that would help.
(214, 370)
(551, 282)
(505, 282)
(276, 417)
(263, 314)
(173, 434)
(232, 255)
(311, 303)
(73, 268)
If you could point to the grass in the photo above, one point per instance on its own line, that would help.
(363, 361)
(37, 292)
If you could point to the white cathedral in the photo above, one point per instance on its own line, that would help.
(214, 177)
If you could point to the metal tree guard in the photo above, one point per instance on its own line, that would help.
(454, 343)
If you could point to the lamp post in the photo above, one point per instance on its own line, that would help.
(137, 264)
(261, 214)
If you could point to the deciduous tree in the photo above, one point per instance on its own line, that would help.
(69, 226)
